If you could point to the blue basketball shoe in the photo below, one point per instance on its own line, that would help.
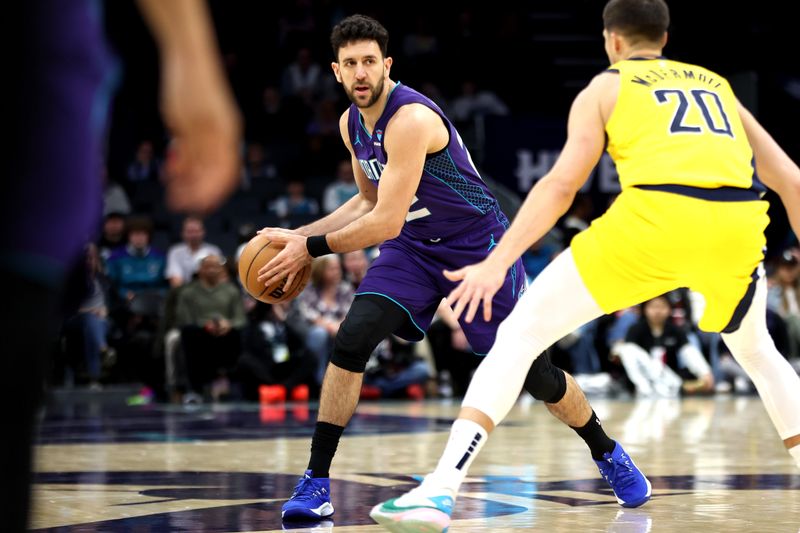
(421, 510)
(630, 486)
(311, 499)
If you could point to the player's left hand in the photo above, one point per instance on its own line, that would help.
(479, 283)
(289, 261)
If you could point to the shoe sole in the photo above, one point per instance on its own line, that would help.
(637, 503)
(419, 520)
(309, 526)
(307, 516)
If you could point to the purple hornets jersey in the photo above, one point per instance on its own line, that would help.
(454, 221)
(451, 195)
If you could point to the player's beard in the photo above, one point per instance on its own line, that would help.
(376, 93)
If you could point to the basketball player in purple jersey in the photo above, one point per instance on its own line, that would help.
(421, 196)
(50, 202)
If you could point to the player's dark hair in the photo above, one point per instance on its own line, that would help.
(637, 19)
(359, 28)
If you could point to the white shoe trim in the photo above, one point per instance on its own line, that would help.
(326, 509)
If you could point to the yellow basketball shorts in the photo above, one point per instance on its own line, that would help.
(651, 242)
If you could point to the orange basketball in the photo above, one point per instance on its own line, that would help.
(255, 255)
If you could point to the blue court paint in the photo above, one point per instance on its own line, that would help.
(353, 499)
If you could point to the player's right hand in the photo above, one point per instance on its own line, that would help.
(288, 262)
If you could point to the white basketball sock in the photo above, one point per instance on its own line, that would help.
(466, 440)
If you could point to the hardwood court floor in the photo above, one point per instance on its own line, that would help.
(715, 464)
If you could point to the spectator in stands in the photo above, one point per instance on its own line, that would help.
(322, 307)
(278, 121)
(432, 91)
(538, 256)
(211, 317)
(296, 24)
(453, 356)
(115, 199)
(137, 267)
(394, 370)
(304, 78)
(183, 258)
(294, 202)
(784, 297)
(422, 41)
(145, 166)
(182, 262)
(355, 265)
(255, 166)
(323, 146)
(245, 232)
(421, 46)
(578, 217)
(325, 122)
(580, 348)
(474, 102)
(271, 355)
(341, 190)
(658, 357)
(112, 235)
(92, 318)
(138, 285)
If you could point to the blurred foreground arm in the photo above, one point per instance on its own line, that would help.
(196, 104)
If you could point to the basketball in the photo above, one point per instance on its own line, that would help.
(258, 252)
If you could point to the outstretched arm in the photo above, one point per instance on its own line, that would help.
(196, 105)
(546, 203)
(774, 167)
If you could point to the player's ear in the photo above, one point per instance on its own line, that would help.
(336, 72)
(387, 65)
(664, 39)
(617, 42)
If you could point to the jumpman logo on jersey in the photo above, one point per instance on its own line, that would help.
(358, 140)
(492, 244)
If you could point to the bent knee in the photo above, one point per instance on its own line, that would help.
(545, 381)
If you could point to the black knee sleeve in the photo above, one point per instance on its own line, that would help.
(545, 381)
(371, 319)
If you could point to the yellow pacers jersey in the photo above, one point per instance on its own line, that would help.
(676, 123)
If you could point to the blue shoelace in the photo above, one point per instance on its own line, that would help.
(622, 473)
(299, 490)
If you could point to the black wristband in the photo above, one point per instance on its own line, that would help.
(317, 245)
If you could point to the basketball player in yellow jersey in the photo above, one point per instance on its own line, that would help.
(689, 215)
